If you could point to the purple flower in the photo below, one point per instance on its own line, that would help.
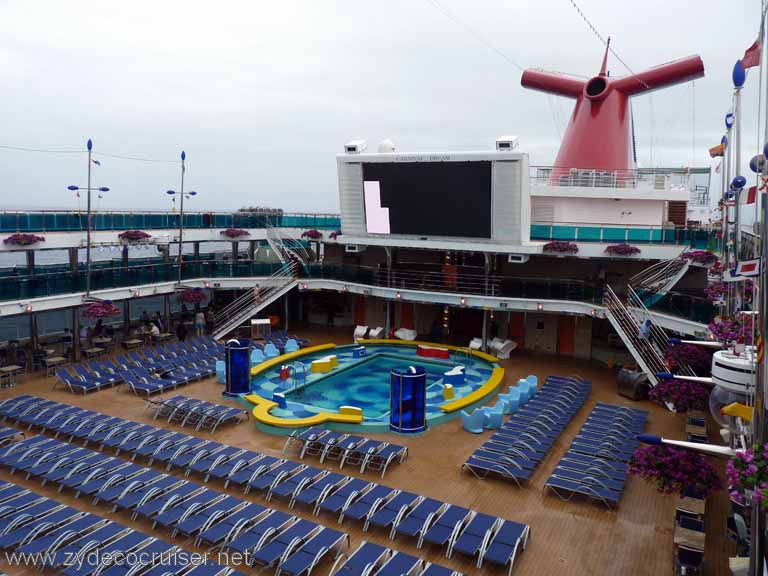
(622, 249)
(133, 235)
(561, 246)
(235, 232)
(23, 239)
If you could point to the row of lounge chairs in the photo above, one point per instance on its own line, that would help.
(266, 537)
(345, 448)
(596, 463)
(454, 528)
(198, 413)
(161, 368)
(374, 560)
(514, 451)
(50, 535)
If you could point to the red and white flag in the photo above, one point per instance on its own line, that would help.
(743, 270)
(750, 196)
(751, 57)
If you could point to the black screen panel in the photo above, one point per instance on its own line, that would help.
(430, 198)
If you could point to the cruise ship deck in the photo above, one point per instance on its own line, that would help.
(578, 537)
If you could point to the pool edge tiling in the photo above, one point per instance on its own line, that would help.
(366, 406)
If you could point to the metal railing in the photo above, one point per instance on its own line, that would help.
(616, 233)
(662, 179)
(626, 325)
(253, 300)
(657, 336)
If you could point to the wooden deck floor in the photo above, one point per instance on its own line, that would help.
(573, 538)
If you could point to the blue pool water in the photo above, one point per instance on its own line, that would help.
(365, 384)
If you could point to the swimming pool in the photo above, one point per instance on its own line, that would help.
(364, 383)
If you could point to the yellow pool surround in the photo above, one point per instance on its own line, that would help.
(353, 414)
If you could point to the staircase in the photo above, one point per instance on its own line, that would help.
(254, 300)
(627, 319)
(286, 247)
(653, 283)
(643, 350)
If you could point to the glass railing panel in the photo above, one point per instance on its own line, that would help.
(36, 222)
(564, 232)
(589, 234)
(9, 222)
(638, 235)
(614, 234)
(541, 232)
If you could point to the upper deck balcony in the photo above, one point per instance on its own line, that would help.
(73, 221)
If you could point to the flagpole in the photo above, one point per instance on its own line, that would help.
(759, 435)
(726, 208)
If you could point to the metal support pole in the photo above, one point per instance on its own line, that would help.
(386, 319)
(737, 171)
(126, 317)
(31, 262)
(485, 330)
(167, 312)
(181, 213)
(125, 256)
(285, 312)
(88, 227)
(252, 250)
(76, 346)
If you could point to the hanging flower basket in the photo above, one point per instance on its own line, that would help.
(561, 247)
(335, 234)
(313, 234)
(23, 239)
(683, 395)
(747, 475)
(691, 355)
(727, 330)
(130, 236)
(235, 232)
(622, 250)
(674, 470)
(715, 292)
(191, 296)
(704, 257)
(101, 309)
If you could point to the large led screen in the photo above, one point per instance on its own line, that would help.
(428, 198)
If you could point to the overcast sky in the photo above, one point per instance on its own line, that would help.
(263, 94)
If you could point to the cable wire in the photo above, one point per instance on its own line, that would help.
(606, 43)
(41, 150)
(479, 37)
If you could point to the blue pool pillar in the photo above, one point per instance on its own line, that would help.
(408, 400)
(237, 355)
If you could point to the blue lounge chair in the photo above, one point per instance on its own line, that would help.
(503, 547)
(270, 552)
(311, 493)
(503, 466)
(367, 557)
(473, 422)
(415, 522)
(387, 512)
(442, 529)
(291, 346)
(360, 508)
(232, 524)
(565, 489)
(401, 563)
(288, 485)
(474, 535)
(304, 558)
(342, 497)
(246, 540)
(381, 459)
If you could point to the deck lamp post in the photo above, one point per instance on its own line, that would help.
(88, 189)
(181, 194)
